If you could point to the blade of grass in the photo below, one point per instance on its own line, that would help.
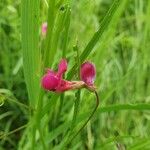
(56, 19)
(117, 138)
(141, 144)
(31, 52)
(122, 107)
(66, 31)
(51, 21)
(13, 131)
(98, 35)
(55, 37)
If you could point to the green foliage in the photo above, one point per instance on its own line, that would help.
(113, 34)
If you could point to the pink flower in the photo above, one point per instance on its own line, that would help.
(44, 28)
(53, 81)
(88, 73)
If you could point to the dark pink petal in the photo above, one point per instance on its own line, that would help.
(62, 67)
(88, 73)
(50, 82)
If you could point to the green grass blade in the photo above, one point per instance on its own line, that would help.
(141, 144)
(66, 31)
(121, 107)
(30, 46)
(98, 35)
(56, 35)
(51, 21)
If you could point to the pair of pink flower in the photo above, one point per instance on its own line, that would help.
(53, 81)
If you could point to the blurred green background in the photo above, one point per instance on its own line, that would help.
(122, 60)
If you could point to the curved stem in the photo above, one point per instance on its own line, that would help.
(97, 104)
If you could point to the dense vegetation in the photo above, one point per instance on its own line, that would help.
(114, 35)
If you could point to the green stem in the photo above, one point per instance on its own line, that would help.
(42, 138)
(38, 117)
(13, 131)
(78, 93)
(76, 110)
(97, 104)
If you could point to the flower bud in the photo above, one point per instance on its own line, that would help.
(88, 73)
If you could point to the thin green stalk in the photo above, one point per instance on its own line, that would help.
(78, 93)
(91, 115)
(13, 131)
(42, 138)
(14, 100)
(68, 139)
(37, 121)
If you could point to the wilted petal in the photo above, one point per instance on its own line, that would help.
(69, 85)
(88, 73)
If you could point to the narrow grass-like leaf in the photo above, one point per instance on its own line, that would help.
(31, 53)
(142, 144)
(66, 31)
(30, 46)
(120, 107)
(51, 21)
(98, 35)
(56, 35)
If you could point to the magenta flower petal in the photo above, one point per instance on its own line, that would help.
(88, 73)
(62, 67)
(50, 81)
